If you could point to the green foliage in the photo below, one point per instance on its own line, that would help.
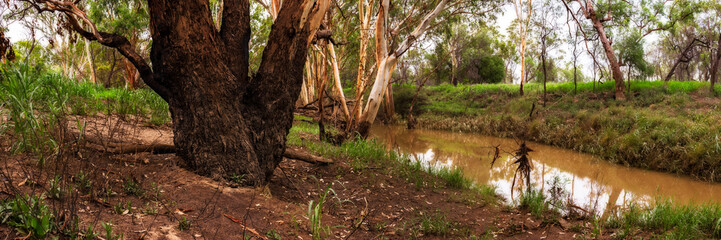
(632, 54)
(29, 215)
(274, 235)
(38, 101)
(184, 224)
(491, 69)
(455, 178)
(120, 17)
(132, 188)
(83, 181)
(403, 97)
(55, 189)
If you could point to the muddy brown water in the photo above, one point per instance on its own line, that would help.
(590, 182)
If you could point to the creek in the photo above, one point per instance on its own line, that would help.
(590, 182)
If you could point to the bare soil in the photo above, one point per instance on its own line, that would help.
(367, 205)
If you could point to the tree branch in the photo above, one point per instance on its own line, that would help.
(118, 42)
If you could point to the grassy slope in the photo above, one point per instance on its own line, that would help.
(673, 128)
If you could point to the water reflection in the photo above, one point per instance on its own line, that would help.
(591, 183)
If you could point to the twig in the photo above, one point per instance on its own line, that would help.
(244, 227)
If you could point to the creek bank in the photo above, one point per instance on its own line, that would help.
(673, 128)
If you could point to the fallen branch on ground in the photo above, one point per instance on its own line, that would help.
(290, 152)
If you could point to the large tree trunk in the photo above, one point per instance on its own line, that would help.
(225, 122)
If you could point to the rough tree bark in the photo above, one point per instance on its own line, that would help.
(6, 49)
(224, 121)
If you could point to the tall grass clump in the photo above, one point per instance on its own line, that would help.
(534, 201)
(454, 177)
(35, 111)
(671, 220)
(315, 215)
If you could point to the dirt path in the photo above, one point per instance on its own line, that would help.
(148, 196)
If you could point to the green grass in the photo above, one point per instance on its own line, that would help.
(363, 154)
(24, 86)
(535, 202)
(315, 215)
(38, 104)
(671, 221)
(435, 224)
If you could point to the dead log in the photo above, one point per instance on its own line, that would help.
(290, 153)
(298, 154)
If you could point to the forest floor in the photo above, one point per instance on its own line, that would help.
(151, 196)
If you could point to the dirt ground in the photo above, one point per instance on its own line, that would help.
(148, 196)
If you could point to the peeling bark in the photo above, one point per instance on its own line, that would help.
(387, 61)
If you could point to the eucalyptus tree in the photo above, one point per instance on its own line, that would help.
(545, 26)
(631, 54)
(224, 120)
(523, 18)
(399, 29)
(644, 16)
